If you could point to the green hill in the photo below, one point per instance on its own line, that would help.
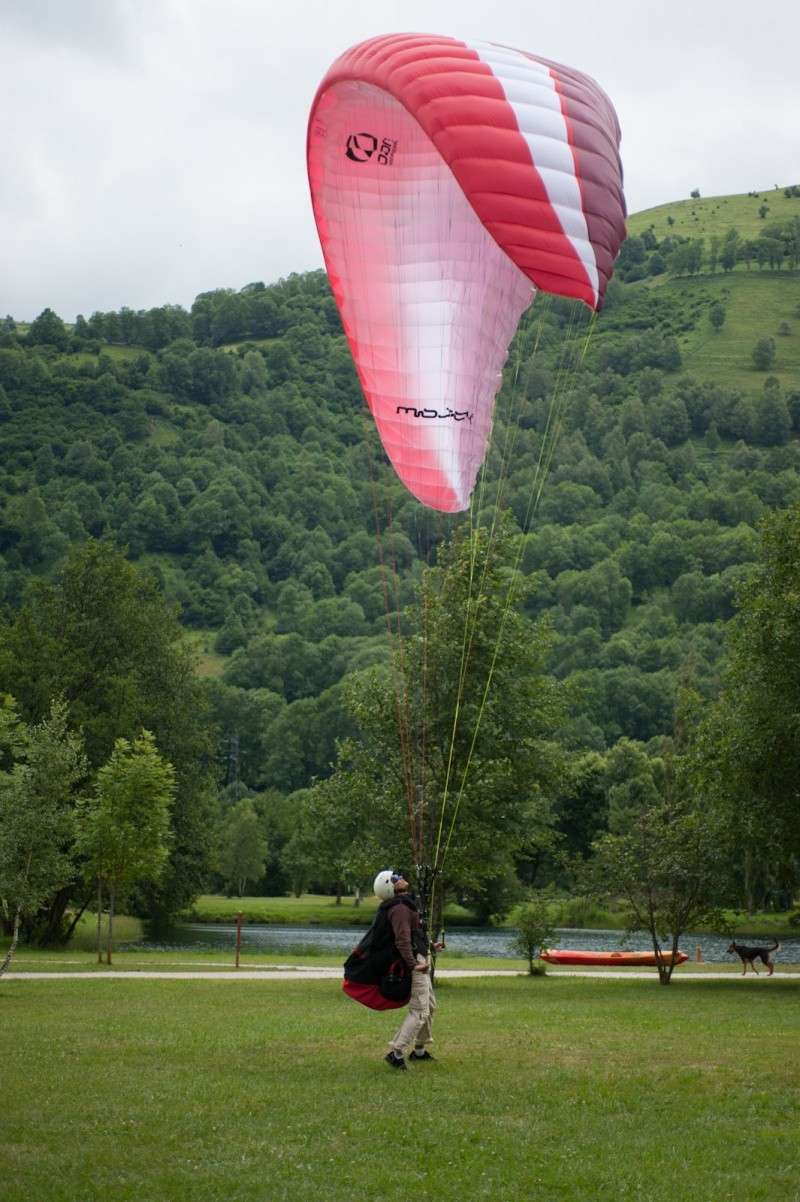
(706, 217)
(228, 449)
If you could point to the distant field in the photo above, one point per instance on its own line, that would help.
(716, 215)
(209, 661)
(310, 909)
(756, 304)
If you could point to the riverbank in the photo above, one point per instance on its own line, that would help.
(319, 910)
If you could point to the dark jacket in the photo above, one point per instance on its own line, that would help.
(396, 933)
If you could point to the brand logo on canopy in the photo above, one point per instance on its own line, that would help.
(361, 147)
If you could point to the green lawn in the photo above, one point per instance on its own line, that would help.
(553, 1088)
(313, 909)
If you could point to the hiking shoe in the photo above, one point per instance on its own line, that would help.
(423, 1055)
(395, 1061)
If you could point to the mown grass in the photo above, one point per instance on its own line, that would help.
(551, 1088)
(73, 959)
(311, 909)
(78, 958)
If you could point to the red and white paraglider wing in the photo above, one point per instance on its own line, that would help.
(449, 181)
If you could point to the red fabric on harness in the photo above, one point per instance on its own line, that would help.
(371, 996)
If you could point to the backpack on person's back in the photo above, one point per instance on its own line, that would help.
(374, 974)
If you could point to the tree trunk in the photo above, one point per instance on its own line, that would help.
(99, 920)
(664, 970)
(338, 893)
(49, 924)
(357, 896)
(110, 923)
(14, 940)
(77, 917)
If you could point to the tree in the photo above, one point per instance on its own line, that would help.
(712, 438)
(730, 250)
(748, 757)
(454, 749)
(327, 844)
(671, 869)
(243, 848)
(763, 354)
(634, 781)
(717, 315)
(771, 421)
(713, 253)
(124, 828)
(44, 767)
(534, 927)
(669, 421)
(102, 636)
(48, 329)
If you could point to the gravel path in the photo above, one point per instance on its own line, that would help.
(294, 973)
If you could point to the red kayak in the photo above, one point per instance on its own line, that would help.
(610, 959)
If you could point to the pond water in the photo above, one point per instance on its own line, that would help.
(472, 941)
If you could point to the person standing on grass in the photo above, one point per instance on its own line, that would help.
(413, 948)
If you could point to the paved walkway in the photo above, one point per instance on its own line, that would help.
(295, 973)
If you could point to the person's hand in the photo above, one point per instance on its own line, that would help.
(437, 947)
(420, 968)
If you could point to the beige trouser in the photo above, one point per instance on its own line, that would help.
(416, 1026)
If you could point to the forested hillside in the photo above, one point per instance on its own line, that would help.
(228, 449)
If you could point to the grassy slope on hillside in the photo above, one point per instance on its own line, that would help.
(553, 1088)
(756, 304)
(716, 215)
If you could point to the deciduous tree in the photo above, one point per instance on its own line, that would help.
(44, 767)
(124, 827)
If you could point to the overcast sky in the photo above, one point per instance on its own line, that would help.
(154, 149)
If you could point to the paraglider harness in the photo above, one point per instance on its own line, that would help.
(374, 973)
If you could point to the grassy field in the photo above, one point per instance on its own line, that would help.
(553, 1088)
(716, 215)
(756, 305)
(312, 909)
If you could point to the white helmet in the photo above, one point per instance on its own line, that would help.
(383, 885)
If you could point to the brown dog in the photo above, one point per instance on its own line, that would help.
(749, 955)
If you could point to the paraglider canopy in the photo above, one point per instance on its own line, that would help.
(450, 180)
